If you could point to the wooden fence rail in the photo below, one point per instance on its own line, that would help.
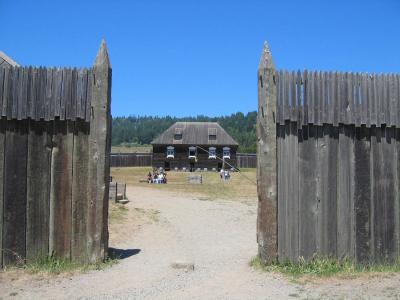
(328, 165)
(54, 159)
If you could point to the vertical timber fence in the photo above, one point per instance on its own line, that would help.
(328, 165)
(54, 162)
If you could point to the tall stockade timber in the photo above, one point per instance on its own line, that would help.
(328, 165)
(54, 161)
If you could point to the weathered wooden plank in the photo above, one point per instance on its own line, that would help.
(397, 190)
(370, 99)
(48, 94)
(293, 192)
(382, 102)
(293, 97)
(326, 190)
(306, 86)
(344, 98)
(362, 194)
(80, 191)
(286, 99)
(345, 194)
(79, 92)
(38, 189)
(2, 71)
(32, 93)
(390, 177)
(73, 100)
(393, 100)
(300, 98)
(13, 100)
(61, 189)
(325, 98)
(65, 93)
(374, 100)
(42, 99)
(3, 125)
(378, 194)
(282, 147)
(99, 149)
(89, 95)
(336, 99)
(6, 91)
(281, 96)
(350, 89)
(386, 98)
(317, 99)
(24, 98)
(331, 95)
(364, 98)
(84, 94)
(57, 94)
(15, 199)
(307, 191)
(311, 104)
(398, 99)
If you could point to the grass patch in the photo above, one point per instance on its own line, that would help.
(117, 212)
(152, 214)
(324, 267)
(132, 148)
(55, 266)
(241, 185)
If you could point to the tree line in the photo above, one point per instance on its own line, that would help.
(141, 130)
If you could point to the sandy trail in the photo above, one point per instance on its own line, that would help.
(217, 236)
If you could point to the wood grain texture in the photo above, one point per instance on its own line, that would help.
(80, 192)
(61, 189)
(38, 189)
(266, 160)
(345, 193)
(99, 151)
(3, 125)
(15, 199)
(362, 194)
(308, 157)
(327, 190)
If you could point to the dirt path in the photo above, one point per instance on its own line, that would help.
(217, 236)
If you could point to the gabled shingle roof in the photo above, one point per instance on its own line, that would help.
(195, 133)
(6, 61)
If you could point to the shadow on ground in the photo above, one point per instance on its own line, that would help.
(122, 253)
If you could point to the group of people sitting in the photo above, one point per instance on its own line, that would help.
(224, 174)
(157, 177)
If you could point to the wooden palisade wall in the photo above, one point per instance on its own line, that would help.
(337, 165)
(54, 162)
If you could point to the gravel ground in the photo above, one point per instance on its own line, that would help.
(218, 237)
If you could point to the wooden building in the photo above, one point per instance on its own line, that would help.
(194, 146)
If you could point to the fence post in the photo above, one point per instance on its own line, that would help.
(100, 148)
(267, 159)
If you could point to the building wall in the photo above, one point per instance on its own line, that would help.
(181, 159)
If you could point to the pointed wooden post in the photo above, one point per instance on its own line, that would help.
(267, 226)
(99, 151)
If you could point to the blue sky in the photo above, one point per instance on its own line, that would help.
(190, 57)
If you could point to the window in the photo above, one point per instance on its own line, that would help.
(226, 152)
(192, 152)
(212, 134)
(212, 153)
(178, 134)
(170, 152)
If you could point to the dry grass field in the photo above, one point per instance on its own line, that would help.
(131, 149)
(241, 186)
